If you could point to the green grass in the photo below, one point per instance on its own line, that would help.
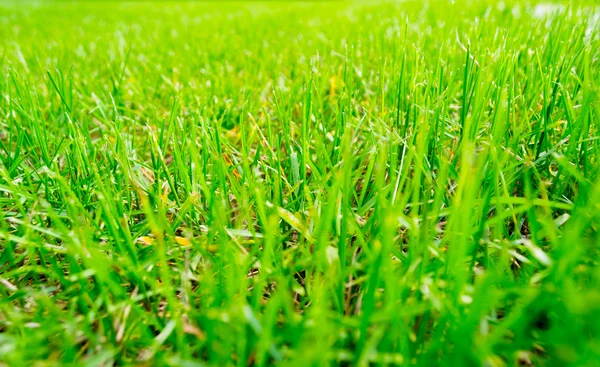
(234, 184)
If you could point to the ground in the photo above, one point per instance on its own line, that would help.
(299, 183)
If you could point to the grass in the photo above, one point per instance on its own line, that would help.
(300, 184)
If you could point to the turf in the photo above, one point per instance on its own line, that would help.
(251, 184)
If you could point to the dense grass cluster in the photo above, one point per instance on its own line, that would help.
(305, 184)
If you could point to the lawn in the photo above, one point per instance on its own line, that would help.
(300, 183)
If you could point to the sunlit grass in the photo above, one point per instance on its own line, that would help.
(299, 183)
